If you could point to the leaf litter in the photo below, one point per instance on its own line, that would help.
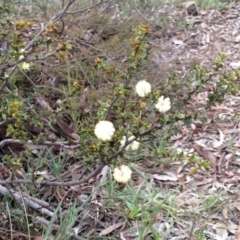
(208, 199)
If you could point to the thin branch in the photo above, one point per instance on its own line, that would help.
(50, 183)
(145, 19)
(10, 219)
(54, 19)
(24, 203)
(6, 141)
(86, 8)
(114, 155)
(58, 144)
(62, 12)
(46, 223)
(7, 121)
(4, 191)
(47, 143)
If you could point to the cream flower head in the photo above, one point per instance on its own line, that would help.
(6, 75)
(163, 105)
(21, 57)
(22, 50)
(122, 174)
(104, 130)
(143, 88)
(132, 146)
(25, 66)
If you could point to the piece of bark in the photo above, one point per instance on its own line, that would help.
(191, 8)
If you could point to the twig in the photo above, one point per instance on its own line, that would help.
(50, 183)
(47, 143)
(54, 19)
(25, 211)
(6, 141)
(58, 144)
(219, 165)
(40, 202)
(43, 57)
(62, 12)
(4, 191)
(192, 229)
(7, 121)
(46, 223)
(114, 155)
(86, 8)
(141, 15)
(10, 220)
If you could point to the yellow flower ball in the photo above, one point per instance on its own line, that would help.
(122, 174)
(104, 130)
(143, 88)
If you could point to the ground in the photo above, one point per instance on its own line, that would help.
(184, 183)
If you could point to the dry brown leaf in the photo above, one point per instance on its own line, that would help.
(179, 169)
(207, 155)
(204, 182)
(237, 234)
(217, 144)
(67, 130)
(83, 97)
(225, 213)
(158, 216)
(91, 180)
(74, 136)
(43, 103)
(110, 229)
(167, 177)
(235, 64)
(233, 228)
(182, 179)
(103, 174)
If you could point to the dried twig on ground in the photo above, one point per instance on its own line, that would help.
(49, 183)
(27, 200)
